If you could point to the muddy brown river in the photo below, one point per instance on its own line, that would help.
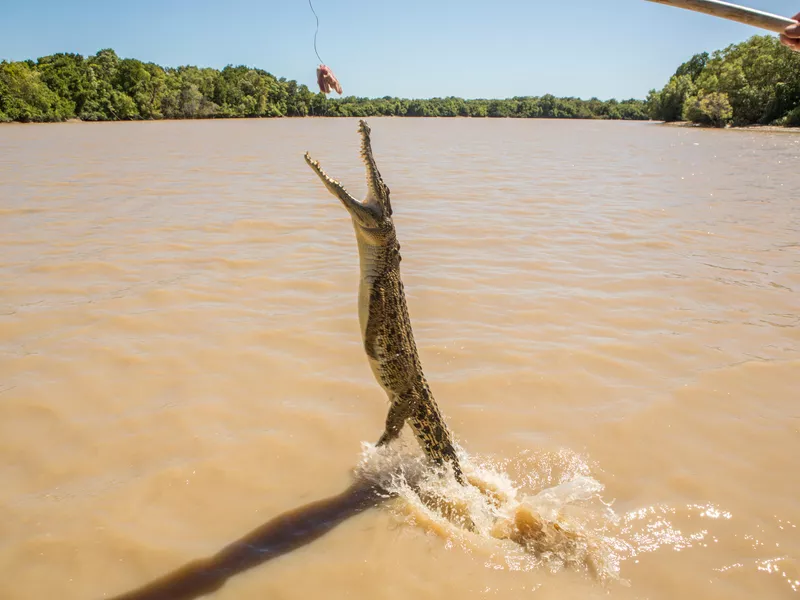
(608, 314)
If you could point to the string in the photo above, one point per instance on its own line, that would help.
(315, 32)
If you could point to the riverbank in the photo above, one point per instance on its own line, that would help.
(334, 116)
(688, 124)
(764, 128)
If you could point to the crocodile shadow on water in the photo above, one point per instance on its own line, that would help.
(278, 536)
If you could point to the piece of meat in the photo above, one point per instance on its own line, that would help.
(327, 80)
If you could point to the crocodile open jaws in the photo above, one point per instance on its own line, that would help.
(383, 316)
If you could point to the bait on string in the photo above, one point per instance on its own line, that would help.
(325, 77)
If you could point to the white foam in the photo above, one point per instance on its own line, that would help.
(551, 515)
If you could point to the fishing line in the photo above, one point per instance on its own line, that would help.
(315, 32)
(325, 78)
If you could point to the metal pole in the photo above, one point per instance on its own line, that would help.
(741, 14)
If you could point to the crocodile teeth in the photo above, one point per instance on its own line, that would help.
(315, 165)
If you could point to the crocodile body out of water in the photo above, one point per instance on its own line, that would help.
(383, 316)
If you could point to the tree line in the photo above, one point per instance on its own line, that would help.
(754, 82)
(105, 87)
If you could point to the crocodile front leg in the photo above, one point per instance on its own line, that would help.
(399, 411)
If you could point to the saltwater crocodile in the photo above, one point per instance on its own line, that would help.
(383, 316)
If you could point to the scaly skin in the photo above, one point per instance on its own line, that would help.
(383, 315)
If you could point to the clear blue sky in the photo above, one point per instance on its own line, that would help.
(415, 48)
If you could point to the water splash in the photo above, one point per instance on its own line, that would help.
(536, 511)
(539, 510)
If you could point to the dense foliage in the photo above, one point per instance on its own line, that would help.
(755, 82)
(105, 87)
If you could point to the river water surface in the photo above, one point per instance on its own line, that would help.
(608, 314)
